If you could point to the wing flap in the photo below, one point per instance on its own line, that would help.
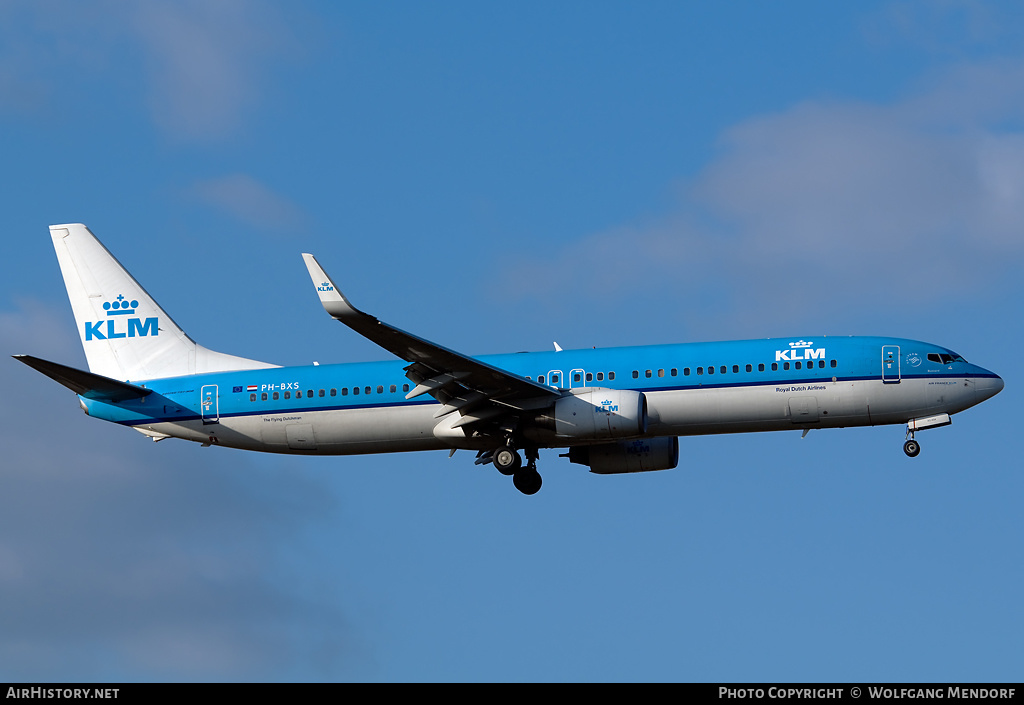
(439, 382)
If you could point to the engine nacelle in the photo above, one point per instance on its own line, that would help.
(601, 414)
(592, 414)
(641, 455)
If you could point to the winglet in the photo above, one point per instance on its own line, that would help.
(334, 302)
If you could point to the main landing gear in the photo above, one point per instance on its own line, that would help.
(508, 462)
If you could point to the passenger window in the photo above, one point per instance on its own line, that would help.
(394, 388)
(405, 387)
(700, 371)
(576, 377)
(711, 369)
(554, 379)
(722, 369)
(785, 365)
(320, 393)
(686, 372)
(636, 375)
(611, 375)
(647, 374)
(821, 364)
(590, 377)
(775, 367)
(600, 376)
(661, 373)
(287, 395)
(380, 389)
(355, 390)
(334, 392)
(276, 396)
(263, 397)
(735, 369)
(344, 391)
(252, 397)
(309, 393)
(833, 363)
(798, 365)
(540, 378)
(750, 368)
(298, 394)
(674, 372)
(760, 367)
(367, 390)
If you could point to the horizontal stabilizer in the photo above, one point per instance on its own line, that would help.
(86, 384)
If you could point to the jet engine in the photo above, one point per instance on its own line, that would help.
(641, 455)
(593, 414)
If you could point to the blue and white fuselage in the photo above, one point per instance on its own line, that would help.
(616, 410)
(691, 389)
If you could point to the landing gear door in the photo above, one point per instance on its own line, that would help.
(209, 405)
(891, 364)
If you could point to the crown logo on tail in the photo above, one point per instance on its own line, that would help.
(120, 306)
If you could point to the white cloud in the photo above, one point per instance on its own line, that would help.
(828, 203)
(205, 61)
(204, 64)
(248, 200)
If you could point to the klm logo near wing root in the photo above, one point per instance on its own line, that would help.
(800, 350)
(121, 310)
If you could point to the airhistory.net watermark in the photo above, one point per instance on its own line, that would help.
(62, 693)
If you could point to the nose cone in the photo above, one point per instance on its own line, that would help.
(988, 387)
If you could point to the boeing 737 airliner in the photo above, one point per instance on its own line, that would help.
(616, 410)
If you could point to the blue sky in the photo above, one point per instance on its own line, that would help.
(495, 178)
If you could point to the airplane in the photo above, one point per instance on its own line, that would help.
(616, 410)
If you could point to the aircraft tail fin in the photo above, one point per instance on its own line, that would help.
(125, 333)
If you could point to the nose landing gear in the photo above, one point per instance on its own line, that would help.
(911, 447)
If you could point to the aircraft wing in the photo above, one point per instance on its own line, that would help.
(461, 383)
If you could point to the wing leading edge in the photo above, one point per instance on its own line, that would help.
(478, 391)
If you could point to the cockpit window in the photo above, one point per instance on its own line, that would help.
(945, 358)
